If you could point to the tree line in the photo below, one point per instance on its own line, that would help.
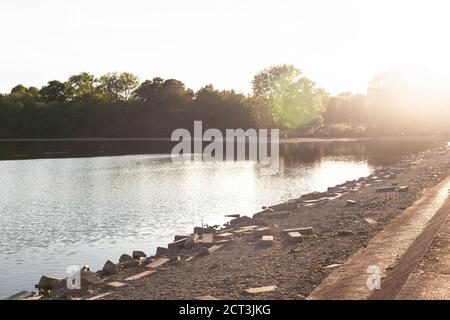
(119, 105)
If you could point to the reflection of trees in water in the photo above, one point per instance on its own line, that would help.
(376, 152)
(63, 149)
(385, 152)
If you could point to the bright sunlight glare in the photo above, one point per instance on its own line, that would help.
(339, 44)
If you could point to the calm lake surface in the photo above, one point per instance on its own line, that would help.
(64, 209)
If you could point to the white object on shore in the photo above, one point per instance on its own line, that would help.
(295, 237)
(116, 284)
(333, 266)
(370, 221)
(308, 231)
(266, 241)
(207, 239)
(261, 289)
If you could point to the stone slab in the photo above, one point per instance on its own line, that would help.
(207, 238)
(295, 237)
(116, 284)
(215, 248)
(157, 263)
(261, 289)
(140, 275)
(262, 231)
(99, 296)
(179, 244)
(206, 298)
(386, 189)
(304, 231)
(224, 234)
(370, 221)
(180, 237)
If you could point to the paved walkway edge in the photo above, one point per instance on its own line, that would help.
(396, 279)
(394, 251)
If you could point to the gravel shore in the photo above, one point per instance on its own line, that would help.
(343, 219)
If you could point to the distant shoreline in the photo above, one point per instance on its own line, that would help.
(282, 140)
(57, 148)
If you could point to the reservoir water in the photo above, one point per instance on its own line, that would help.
(64, 204)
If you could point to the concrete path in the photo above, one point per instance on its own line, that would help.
(393, 255)
(431, 278)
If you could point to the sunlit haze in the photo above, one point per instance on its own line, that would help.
(339, 44)
(224, 150)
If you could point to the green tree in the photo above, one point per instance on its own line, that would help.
(169, 94)
(22, 96)
(20, 90)
(54, 91)
(150, 90)
(292, 99)
(118, 86)
(82, 85)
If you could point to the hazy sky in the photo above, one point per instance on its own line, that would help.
(339, 44)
